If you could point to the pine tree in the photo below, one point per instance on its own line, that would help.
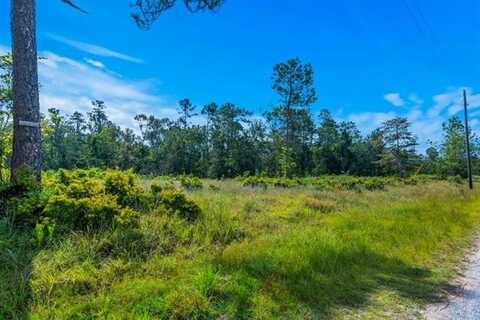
(399, 154)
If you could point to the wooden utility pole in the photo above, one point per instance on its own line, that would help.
(467, 141)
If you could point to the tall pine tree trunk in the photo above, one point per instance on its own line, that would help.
(26, 106)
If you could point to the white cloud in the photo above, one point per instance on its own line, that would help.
(443, 101)
(415, 100)
(394, 99)
(95, 63)
(368, 121)
(426, 119)
(71, 85)
(450, 102)
(94, 49)
(424, 128)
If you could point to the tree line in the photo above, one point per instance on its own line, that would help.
(288, 141)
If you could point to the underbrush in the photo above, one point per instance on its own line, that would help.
(303, 252)
(88, 200)
(343, 182)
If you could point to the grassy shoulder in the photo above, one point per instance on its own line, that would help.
(261, 253)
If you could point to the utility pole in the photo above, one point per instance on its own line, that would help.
(467, 141)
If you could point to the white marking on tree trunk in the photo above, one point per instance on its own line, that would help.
(29, 124)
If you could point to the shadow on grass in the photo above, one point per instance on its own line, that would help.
(333, 279)
(16, 253)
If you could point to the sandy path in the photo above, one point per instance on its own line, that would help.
(464, 303)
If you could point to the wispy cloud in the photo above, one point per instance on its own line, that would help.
(71, 85)
(426, 129)
(426, 118)
(369, 121)
(450, 102)
(394, 99)
(95, 63)
(442, 101)
(94, 49)
(415, 100)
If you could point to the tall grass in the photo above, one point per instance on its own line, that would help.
(253, 254)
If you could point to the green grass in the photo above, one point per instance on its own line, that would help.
(297, 253)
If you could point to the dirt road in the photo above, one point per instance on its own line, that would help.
(464, 303)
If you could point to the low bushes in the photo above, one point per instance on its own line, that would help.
(89, 200)
(175, 202)
(190, 183)
(123, 185)
(350, 183)
(264, 182)
(254, 182)
(341, 182)
(88, 213)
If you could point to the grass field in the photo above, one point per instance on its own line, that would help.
(254, 253)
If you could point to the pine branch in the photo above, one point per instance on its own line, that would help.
(73, 5)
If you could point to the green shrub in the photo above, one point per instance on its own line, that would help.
(23, 207)
(122, 184)
(373, 184)
(156, 188)
(411, 181)
(264, 182)
(127, 217)
(44, 230)
(347, 183)
(175, 202)
(65, 177)
(190, 183)
(84, 189)
(255, 181)
(95, 212)
(26, 178)
(77, 200)
(213, 187)
(284, 183)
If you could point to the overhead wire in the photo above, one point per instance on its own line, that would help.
(412, 14)
(425, 28)
(363, 26)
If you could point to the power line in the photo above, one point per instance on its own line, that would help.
(417, 22)
(425, 21)
(365, 28)
(425, 28)
(421, 22)
(475, 17)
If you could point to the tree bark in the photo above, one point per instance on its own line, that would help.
(26, 106)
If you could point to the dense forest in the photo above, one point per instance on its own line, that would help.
(289, 140)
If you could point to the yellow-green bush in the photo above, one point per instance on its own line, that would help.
(175, 202)
(24, 208)
(95, 212)
(190, 183)
(83, 200)
(122, 184)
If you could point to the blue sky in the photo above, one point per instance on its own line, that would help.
(372, 59)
